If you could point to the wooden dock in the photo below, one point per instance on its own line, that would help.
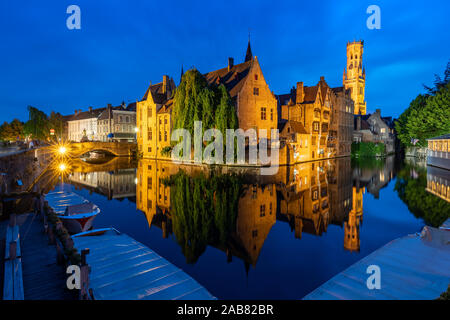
(124, 269)
(415, 267)
(43, 278)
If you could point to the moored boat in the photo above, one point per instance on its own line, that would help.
(76, 213)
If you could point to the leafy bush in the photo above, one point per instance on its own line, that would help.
(368, 149)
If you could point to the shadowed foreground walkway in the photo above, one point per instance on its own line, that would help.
(43, 278)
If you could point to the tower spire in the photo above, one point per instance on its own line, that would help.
(248, 55)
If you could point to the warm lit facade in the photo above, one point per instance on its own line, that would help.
(256, 105)
(438, 153)
(154, 118)
(310, 106)
(354, 77)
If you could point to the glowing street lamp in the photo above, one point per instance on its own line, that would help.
(62, 167)
(62, 150)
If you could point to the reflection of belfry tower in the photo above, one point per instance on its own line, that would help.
(351, 227)
(355, 75)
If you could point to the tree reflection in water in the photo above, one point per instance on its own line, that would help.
(203, 210)
(411, 187)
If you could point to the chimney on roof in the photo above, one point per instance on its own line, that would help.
(230, 63)
(322, 78)
(76, 111)
(109, 105)
(90, 109)
(300, 94)
(79, 110)
(378, 111)
(165, 83)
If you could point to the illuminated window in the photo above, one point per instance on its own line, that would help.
(262, 210)
(263, 113)
(315, 126)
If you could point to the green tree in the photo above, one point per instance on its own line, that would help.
(403, 134)
(428, 115)
(37, 125)
(195, 100)
(11, 131)
(55, 122)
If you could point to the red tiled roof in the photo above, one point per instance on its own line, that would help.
(233, 79)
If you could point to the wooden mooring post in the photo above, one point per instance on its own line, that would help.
(85, 292)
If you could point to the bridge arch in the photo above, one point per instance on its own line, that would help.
(118, 149)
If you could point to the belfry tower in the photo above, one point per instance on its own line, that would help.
(355, 75)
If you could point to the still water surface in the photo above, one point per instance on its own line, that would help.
(245, 236)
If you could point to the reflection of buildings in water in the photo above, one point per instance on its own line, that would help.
(375, 177)
(256, 215)
(308, 196)
(351, 226)
(438, 182)
(115, 185)
(304, 202)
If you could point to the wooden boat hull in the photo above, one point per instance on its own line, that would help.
(77, 225)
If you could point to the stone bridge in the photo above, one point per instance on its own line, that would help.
(118, 149)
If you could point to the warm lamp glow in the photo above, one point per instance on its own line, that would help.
(62, 167)
(62, 150)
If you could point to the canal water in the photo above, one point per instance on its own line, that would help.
(246, 236)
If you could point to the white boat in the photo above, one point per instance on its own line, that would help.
(76, 213)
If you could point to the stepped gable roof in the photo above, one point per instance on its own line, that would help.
(232, 79)
(156, 91)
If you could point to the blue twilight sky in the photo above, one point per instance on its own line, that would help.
(123, 45)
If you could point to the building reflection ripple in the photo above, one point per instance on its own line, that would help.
(306, 196)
